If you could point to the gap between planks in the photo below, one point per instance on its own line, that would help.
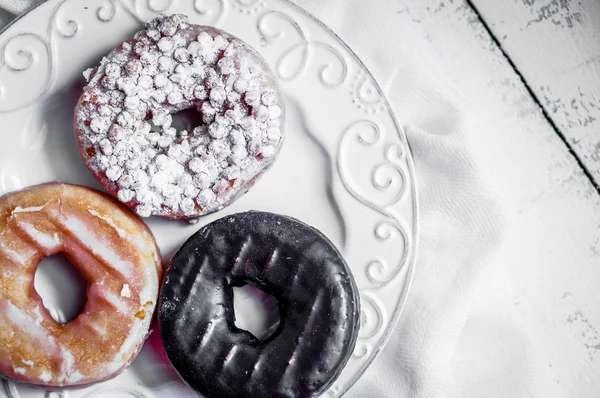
(533, 95)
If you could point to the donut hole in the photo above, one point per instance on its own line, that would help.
(185, 120)
(61, 287)
(256, 311)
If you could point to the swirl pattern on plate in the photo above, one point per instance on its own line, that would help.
(312, 62)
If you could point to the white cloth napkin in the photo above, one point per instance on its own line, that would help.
(456, 337)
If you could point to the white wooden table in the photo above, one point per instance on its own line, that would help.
(554, 46)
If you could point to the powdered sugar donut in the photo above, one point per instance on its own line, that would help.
(115, 253)
(123, 120)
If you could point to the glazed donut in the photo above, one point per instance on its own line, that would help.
(123, 121)
(117, 256)
(318, 307)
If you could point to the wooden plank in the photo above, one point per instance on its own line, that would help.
(532, 327)
(555, 45)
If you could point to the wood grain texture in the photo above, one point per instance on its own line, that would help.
(555, 45)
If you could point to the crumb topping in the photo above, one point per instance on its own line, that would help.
(125, 122)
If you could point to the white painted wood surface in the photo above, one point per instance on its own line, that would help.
(555, 44)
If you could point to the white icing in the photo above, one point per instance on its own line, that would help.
(28, 363)
(27, 324)
(98, 247)
(20, 371)
(68, 361)
(33, 328)
(150, 282)
(45, 376)
(19, 258)
(125, 292)
(134, 339)
(48, 242)
(95, 326)
(140, 326)
(32, 209)
(74, 377)
(38, 314)
(122, 233)
(149, 292)
(115, 301)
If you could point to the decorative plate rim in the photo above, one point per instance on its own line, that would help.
(411, 260)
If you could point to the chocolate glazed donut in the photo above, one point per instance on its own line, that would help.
(318, 305)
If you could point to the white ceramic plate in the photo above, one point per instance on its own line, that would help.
(345, 167)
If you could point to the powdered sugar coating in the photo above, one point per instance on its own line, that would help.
(123, 120)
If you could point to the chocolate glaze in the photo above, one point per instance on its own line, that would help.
(318, 305)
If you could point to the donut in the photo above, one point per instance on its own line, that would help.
(318, 305)
(115, 253)
(124, 125)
